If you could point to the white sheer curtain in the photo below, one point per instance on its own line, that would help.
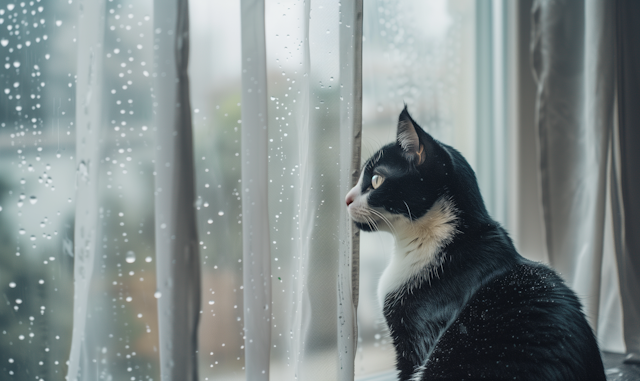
(87, 233)
(322, 281)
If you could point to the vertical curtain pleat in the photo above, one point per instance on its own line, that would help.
(329, 142)
(499, 112)
(350, 148)
(177, 255)
(88, 124)
(255, 221)
(627, 156)
(572, 47)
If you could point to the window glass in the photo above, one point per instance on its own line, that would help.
(37, 195)
(417, 52)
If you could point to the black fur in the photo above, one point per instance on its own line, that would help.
(488, 313)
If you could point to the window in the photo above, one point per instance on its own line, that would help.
(421, 53)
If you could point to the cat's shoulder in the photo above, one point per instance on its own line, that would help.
(528, 289)
(525, 321)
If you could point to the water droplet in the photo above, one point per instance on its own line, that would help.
(4, 42)
(148, 259)
(18, 301)
(33, 200)
(58, 22)
(131, 257)
(157, 294)
(12, 284)
(10, 6)
(221, 213)
(211, 302)
(128, 299)
(33, 238)
(210, 221)
(21, 231)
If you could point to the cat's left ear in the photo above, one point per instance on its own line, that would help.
(409, 140)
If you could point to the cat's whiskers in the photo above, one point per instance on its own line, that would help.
(372, 223)
(383, 218)
(408, 210)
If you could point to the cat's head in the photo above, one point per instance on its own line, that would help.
(405, 180)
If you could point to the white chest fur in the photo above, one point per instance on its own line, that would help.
(417, 244)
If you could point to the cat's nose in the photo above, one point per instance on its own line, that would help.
(350, 198)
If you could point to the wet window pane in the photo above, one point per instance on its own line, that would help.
(416, 52)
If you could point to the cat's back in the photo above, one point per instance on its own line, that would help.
(523, 325)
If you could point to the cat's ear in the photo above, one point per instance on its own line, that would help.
(409, 139)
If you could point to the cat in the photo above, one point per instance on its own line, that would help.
(459, 301)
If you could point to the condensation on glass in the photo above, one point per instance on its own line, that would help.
(40, 172)
(416, 52)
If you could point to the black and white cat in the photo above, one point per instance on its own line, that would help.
(459, 301)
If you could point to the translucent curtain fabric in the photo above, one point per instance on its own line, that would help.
(255, 228)
(324, 321)
(177, 250)
(573, 50)
(105, 340)
(326, 108)
(89, 125)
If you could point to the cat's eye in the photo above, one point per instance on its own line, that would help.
(376, 181)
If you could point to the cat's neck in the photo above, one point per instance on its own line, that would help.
(418, 243)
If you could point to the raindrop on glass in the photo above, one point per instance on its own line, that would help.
(157, 294)
(221, 213)
(33, 200)
(148, 259)
(131, 257)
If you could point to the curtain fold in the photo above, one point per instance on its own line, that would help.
(572, 51)
(89, 122)
(255, 219)
(329, 119)
(627, 177)
(585, 60)
(350, 151)
(177, 251)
